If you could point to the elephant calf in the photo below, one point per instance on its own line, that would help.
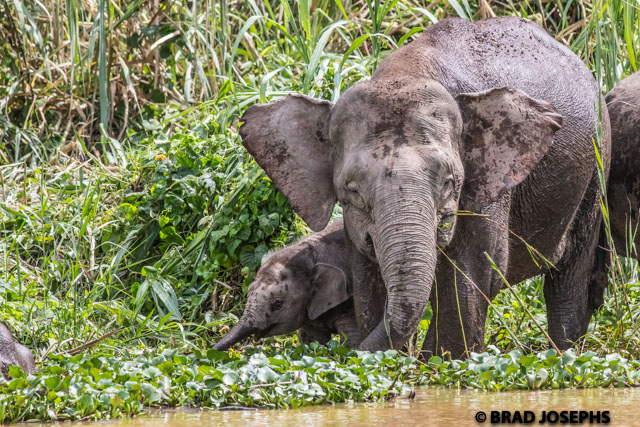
(623, 103)
(303, 286)
(13, 353)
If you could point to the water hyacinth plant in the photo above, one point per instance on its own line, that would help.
(105, 387)
(545, 370)
(287, 376)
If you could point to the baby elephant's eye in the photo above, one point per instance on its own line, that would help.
(276, 305)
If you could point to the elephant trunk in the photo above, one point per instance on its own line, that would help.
(243, 329)
(405, 247)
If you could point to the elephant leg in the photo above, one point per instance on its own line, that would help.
(464, 281)
(369, 292)
(457, 325)
(308, 334)
(575, 290)
(346, 325)
(567, 296)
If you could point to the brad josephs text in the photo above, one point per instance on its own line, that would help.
(550, 417)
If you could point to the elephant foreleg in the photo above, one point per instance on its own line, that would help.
(309, 333)
(369, 292)
(465, 280)
(347, 326)
(574, 290)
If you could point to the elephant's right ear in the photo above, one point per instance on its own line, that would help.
(289, 140)
(329, 289)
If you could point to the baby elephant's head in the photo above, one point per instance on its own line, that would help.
(290, 288)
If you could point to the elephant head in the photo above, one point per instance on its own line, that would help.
(402, 156)
(290, 289)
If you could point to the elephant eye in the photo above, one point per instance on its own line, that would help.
(447, 189)
(354, 198)
(276, 305)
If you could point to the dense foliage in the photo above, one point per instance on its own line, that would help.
(101, 386)
(132, 219)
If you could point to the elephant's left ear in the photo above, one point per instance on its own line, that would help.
(505, 134)
(329, 289)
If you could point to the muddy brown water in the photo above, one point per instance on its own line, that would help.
(431, 407)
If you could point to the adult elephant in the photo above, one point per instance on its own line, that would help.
(493, 117)
(623, 103)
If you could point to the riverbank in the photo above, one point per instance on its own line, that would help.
(438, 406)
(103, 387)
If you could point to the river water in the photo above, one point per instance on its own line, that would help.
(431, 406)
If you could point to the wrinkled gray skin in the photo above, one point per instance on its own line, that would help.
(13, 353)
(303, 286)
(623, 103)
(494, 117)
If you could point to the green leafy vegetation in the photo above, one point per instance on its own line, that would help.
(132, 220)
(614, 326)
(545, 370)
(282, 376)
(287, 377)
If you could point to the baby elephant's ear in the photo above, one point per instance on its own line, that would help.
(505, 134)
(289, 139)
(329, 290)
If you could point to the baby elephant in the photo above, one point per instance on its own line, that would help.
(303, 286)
(13, 353)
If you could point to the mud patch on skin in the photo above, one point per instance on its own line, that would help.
(506, 133)
(400, 141)
(321, 137)
(281, 155)
(382, 127)
(409, 306)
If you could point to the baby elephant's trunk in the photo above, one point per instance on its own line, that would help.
(239, 332)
